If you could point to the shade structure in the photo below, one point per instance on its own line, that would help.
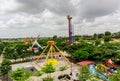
(85, 62)
(35, 57)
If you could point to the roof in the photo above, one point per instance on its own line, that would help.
(35, 57)
(85, 62)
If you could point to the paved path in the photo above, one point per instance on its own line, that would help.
(55, 74)
(0, 58)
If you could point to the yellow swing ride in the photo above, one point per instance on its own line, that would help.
(52, 55)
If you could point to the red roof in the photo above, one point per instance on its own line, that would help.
(35, 48)
(35, 57)
(85, 62)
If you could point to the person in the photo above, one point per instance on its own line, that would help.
(110, 61)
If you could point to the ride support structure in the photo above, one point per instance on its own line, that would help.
(69, 29)
(52, 48)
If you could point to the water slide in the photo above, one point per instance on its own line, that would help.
(92, 71)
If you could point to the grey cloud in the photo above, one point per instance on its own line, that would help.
(95, 8)
(62, 7)
(88, 9)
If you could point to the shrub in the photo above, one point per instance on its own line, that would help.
(47, 79)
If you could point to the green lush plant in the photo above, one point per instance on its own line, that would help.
(2, 45)
(48, 68)
(115, 76)
(100, 68)
(80, 55)
(95, 36)
(107, 33)
(84, 73)
(97, 42)
(38, 73)
(5, 67)
(62, 68)
(94, 78)
(118, 55)
(107, 38)
(47, 79)
(20, 75)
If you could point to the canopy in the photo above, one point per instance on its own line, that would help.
(35, 57)
(85, 62)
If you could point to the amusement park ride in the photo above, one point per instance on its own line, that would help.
(34, 43)
(70, 29)
(51, 54)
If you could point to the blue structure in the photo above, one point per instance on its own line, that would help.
(92, 71)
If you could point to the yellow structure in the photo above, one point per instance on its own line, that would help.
(51, 52)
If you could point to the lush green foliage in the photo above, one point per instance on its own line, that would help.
(16, 51)
(107, 38)
(20, 75)
(84, 49)
(84, 73)
(2, 45)
(80, 55)
(48, 68)
(62, 68)
(5, 67)
(47, 79)
(115, 76)
(38, 73)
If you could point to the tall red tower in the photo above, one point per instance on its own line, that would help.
(69, 28)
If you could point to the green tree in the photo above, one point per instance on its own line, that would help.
(97, 42)
(118, 55)
(80, 55)
(8, 52)
(107, 33)
(84, 73)
(20, 75)
(2, 45)
(48, 68)
(115, 76)
(107, 38)
(5, 68)
(100, 35)
(55, 37)
(95, 36)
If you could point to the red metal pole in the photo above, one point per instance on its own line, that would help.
(69, 29)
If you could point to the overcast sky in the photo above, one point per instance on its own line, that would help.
(29, 18)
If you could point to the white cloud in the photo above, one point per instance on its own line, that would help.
(7, 6)
(26, 18)
(100, 24)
